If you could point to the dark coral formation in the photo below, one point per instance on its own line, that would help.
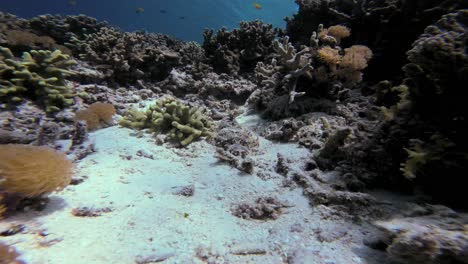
(388, 27)
(127, 57)
(294, 80)
(431, 101)
(238, 51)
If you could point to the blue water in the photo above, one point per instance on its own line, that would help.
(183, 19)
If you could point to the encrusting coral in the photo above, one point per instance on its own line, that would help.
(39, 76)
(179, 121)
(32, 171)
(97, 115)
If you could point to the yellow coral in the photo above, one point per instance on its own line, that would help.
(31, 171)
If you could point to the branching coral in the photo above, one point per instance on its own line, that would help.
(96, 115)
(40, 76)
(179, 121)
(31, 171)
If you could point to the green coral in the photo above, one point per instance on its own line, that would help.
(179, 121)
(40, 75)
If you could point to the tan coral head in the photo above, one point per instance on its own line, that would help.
(31, 171)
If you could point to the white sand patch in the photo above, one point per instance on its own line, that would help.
(148, 219)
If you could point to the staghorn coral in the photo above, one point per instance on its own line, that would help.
(97, 115)
(179, 121)
(32, 171)
(39, 76)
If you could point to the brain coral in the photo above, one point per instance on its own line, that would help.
(31, 171)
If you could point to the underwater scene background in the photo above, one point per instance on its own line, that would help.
(185, 20)
(220, 132)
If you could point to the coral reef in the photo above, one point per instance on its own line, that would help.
(31, 171)
(127, 57)
(239, 51)
(323, 67)
(179, 121)
(97, 115)
(40, 76)
(439, 235)
(65, 29)
(388, 27)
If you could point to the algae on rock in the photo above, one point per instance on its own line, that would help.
(40, 76)
(179, 121)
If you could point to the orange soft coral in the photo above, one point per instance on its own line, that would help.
(97, 115)
(30, 171)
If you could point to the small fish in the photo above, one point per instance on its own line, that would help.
(182, 17)
(162, 11)
(72, 2)
(257, 6)
(140, 10)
